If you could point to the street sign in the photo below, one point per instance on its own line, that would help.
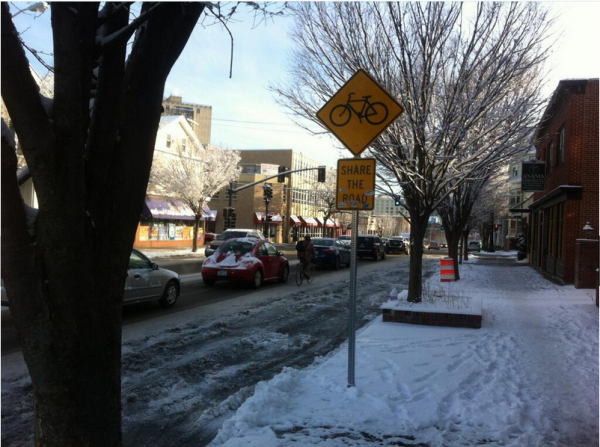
(359, 112)
(355, 189)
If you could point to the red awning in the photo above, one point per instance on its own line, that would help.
(319, 221)
(308, 221)
(295, 221)
(330, 223)
(276, 219)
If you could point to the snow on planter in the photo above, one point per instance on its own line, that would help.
(437, 310)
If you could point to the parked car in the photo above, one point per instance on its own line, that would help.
(345, 239)
(247, 259)
(370, 245)
(474, 246)
(331, 252)
(209, 237)
(384, 241)
(230, 234)
(433, 245)
(396, 245)
(146, 281)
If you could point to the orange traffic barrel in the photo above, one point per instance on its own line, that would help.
(447, 270)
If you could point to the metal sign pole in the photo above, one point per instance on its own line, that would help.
(352, 302)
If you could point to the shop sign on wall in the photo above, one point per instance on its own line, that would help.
(533, 177)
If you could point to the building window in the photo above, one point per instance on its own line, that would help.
(183, 144)
(168, 140)
(561, 146)
(551, 157)
(515, 171)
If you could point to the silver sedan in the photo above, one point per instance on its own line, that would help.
(146, 281)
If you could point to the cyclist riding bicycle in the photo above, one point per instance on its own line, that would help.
(305, 250)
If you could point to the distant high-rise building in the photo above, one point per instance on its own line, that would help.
(198, 116)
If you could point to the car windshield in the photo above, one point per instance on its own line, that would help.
(232, 234)
(237, 247)
(323, 242)
(367, 241)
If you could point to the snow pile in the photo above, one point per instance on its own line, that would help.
(159, 253)
(528, 377)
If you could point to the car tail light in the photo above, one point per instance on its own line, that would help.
(329, 251)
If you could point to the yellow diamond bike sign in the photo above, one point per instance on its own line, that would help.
(355, 188)
(359, 112)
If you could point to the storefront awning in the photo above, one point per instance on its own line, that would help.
(209, 215)
(337, 223)
(295, 221)
(308, 221)
(276, 219)
(165, 208)
(330, 223)
(319, 221)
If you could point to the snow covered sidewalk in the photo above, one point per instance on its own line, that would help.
(528, 377)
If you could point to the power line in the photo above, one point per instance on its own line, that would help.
(261, 129)
(254, 122)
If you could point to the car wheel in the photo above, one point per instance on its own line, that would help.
(285, 274)
(376, 257)
(208, 282)
(336, 265)
(170, 295)
(258, 279)
(382, 256)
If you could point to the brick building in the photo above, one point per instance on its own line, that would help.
(198, 116)
(295, 208)
(567, 141)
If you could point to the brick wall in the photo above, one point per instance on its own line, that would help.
(586, 263)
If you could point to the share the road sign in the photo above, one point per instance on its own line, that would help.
(359, 112)
(355, 188)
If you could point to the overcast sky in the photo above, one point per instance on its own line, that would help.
(245, 115)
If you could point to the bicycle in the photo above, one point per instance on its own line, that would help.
(300, 273)
(375, 113)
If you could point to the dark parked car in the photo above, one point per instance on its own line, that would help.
(370, 245)
(230, 234)
(331, 252)
(246, 259)
(474, 246)
(396, 245)
(433, 245)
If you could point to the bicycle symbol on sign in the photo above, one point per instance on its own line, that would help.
(374, 112)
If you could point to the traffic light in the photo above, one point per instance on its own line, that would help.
(281, 178)
(321, 177)
(225, 213)
(269, 218)
(268, 191)
(397, 202)
(496, 227)
(232, 217)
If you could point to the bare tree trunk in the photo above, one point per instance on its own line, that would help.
(415, 279)
(196, 226)
(66, 281)
(466, 245)
(453, 240)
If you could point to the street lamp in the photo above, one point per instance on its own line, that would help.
(36, 7)
(587, 230)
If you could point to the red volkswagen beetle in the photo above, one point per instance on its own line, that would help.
(246, 259)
